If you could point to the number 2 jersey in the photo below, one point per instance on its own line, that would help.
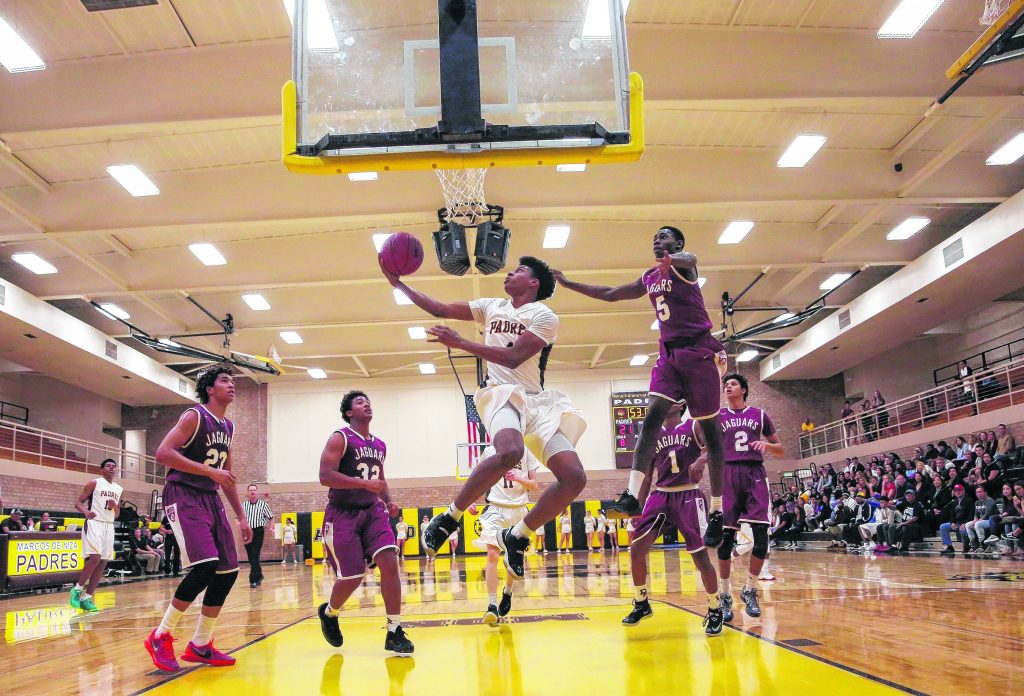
(208, 445)
(739, 429)
(674, 453)
(363, 459)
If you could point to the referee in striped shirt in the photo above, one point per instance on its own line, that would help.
(257, 513)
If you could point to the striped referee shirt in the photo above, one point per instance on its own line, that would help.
(257, 514)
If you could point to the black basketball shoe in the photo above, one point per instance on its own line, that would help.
(437, 532)
(726, 602)
(329, 626)
(749, 598)
(713, 534)
(625, 506)
(515, 552)
(398, 643)
(505, 605)
(714, 621)
(641, 610)
(491, 615)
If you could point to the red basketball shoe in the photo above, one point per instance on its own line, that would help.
(162, 651)
(207, 654)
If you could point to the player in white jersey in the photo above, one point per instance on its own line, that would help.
(506, 506)
(519, 332)
(100, 503)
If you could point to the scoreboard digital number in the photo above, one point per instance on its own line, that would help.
(628, 412)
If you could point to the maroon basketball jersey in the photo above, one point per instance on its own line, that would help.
(363, 459)
(209, 445)
(678, 304)
(675, 451)
(739, 429)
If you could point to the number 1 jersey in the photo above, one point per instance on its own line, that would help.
(739, 429)
(363, 459)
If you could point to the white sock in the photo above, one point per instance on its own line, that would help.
(204, 630)
(509, 586)
(170, 621)
(492, 598)
(640, 593)
(394, 621)
(85, 596)
(521, 531)
(716, 503)
(636, 479)
(725, 585)
(751, 582)
(79, 587)
(455, 512)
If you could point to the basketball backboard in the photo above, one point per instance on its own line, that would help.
(452, 84)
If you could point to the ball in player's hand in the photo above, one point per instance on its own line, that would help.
(401, 254)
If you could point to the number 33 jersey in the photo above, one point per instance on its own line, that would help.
(363, 459)
(208, 445)
(739, 429)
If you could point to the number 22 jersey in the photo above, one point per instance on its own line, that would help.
(209, 445)
(363, 459)
(739, 429)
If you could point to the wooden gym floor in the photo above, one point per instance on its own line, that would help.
(831, 623)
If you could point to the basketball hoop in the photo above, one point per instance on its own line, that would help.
(463, 190)
(994, 9)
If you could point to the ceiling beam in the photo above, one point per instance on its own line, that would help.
(793, 283)
(956, 147)
(870, 218)
(830, 215)
(117, 245)
(11, 161)
(597, 355)
(361, 365)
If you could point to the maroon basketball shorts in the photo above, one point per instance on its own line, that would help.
(745, 495)
(201, 526)
(686, 510)
(690, 373)
(354, 536)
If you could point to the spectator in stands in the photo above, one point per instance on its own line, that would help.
(966, 394)
(984, 510)
(940, 499)
(902, 486)
(1013, 525)
(963, 450)
(819, 513)
(884, 514)
(924, 490)
(1005, 444)
(30, 524)
(930, 452)
(881, 412)
(945, 451)
(155, 544)
(12, 523)
(841, 516)
(784, 528)
(849, 425)
(867, 421)
(141, 551)
(888, 527)
(862, 514)
(957, 513)
(45, 524)
(979, 452)
(856, 466)
(991, 442)
(911, 529)
(888, 487)
(172, 552)
(1007, 511)
(992, 475)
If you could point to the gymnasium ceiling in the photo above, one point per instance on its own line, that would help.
(189, 90)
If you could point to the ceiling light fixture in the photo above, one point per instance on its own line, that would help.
(1008, 153)
(208, 254)
(291, 337)
(783, 317)
(15, 54)
(800, 151)
(417, 333)
(362, 176)
(597, 23)
(639, 359)
(834, 281)
(908, 18)
(908, 228)
(256, 302)
(571, 168)
(556, 236)
(113, 311)
(379, 238)
(34, 263)
(133, 180)
(735, 232)
(746, 356)
(320, 29)
(400, 297)
(316, 373)
(427, 368)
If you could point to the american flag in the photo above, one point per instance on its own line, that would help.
(474, 430)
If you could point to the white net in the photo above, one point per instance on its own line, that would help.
(463, 194)
(993, 10)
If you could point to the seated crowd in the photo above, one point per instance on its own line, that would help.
(972, 490)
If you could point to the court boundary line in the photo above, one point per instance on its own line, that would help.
(819, 658)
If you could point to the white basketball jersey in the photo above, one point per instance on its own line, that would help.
(511, 493)
(104, 497)
(503, 325)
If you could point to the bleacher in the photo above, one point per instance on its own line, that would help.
(24, 445)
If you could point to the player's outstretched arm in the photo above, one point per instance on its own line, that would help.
(629, 291)
(436, 308)
(169, 453)
(525, 347)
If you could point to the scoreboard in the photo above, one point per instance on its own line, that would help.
(628, 412)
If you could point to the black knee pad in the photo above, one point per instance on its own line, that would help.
(197, 579)
(760, 549)
(728, 542)
(218, 589)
